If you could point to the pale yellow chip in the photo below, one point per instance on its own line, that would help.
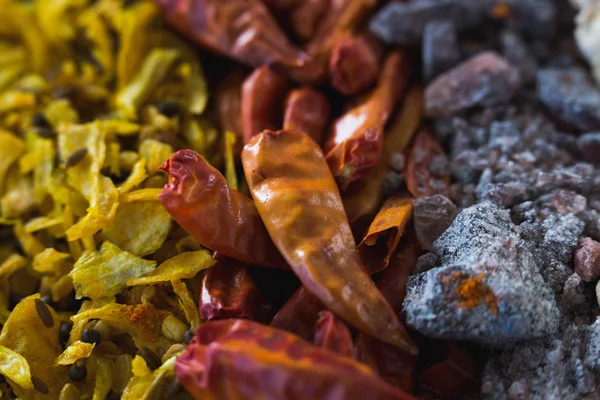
(11, 148)
(103, 379)
(139, 366)
(140, 228)
(230, 174)
(18, 199)
(51, 261)
(148, 194)
(62, 287)
(182, 266)
(105, 272)
(187, 304)
(15, 367)
(12, 264)
(61, 111)
(137, 176)
(75, 351)
(155, 153)
(39, 223)
(144, 380)
(143, 322)
(30, 244)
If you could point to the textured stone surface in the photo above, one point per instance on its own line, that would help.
(587, 260)
(440, 51)
(432, 215)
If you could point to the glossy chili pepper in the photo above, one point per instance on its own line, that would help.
(427, 171)
(229, 292)
(454, 378)
(354, 64)
(241, 359)
(308, 111)
(262, 95)
(300, 204)
(363, 199)
(228, 98)
(301, 16)
(384, 233)
(220, 218)
(356, 139)
(299, 315)
(332, 333)
(242, 30)
(395, 366)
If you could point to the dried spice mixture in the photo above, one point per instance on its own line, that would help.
(299, 199)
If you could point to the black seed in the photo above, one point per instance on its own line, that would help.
(77, 373)
(188, 336)
(39, 385)
(47, 299)
(64, 332)
(75, 157)
(90, 336)
(151, 359)
(44, 313)
(40, 121)
(168, 108)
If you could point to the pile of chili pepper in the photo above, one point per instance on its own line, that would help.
(294, 308)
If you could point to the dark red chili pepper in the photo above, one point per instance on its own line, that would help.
(333, 334)
(301, 207)
(220, 218)
(422, 179)
(228, 98)
(262, 95)
(242, 30)
(354, 64)
(356, 140)
(301, 16)
(229, 292)
(244, 360)
(308, 111)
(299, 314)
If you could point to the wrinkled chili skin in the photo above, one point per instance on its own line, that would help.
(301, 207)
(262, 95)
(308, 111)
(395, 366)
(299, 315)
(228, 292)
(302, 16)
(355, 142)
(228, 98)
(354, 64)
(421, 179)
(241, 359)
(198, 198)
(332, 333)
(242, 30)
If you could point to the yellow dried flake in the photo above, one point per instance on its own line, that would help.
(230, 174)
(42, 175)
(155, 153)
(11, 148)
(12, 264)
(18, 198)
(144, 381)
(103, 379)
(15, 367)
(139, 367)
(51, 261)
(76, 351)
(61, 112)
(25, 333)
(189, 308)
(148, 194)
(30, 244)
(137, 176)
(143, 322)
(39, 223)
(182, 266)
(62, 288)
(104, 273)
(140, 228)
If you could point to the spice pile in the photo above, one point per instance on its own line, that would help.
(328, 199)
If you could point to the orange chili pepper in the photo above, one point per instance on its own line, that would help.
(355, 143)
(384, 234)
(244, 360)
(308, 111)
(300, 204)
(363, 199)
(262, 95)
(220, 218)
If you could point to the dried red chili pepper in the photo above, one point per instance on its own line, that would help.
(423, 175)
(242, 30)
(454, 378)
(241, 359)
(333, 334)
(229, 292)
(395, 366)
(299, 314)
(363, 199)
(308, 111)
(301, 207)
(228, 97)
(356, 140)
(384, 234)
(262, 95)
(354, 64)
(220, 218)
